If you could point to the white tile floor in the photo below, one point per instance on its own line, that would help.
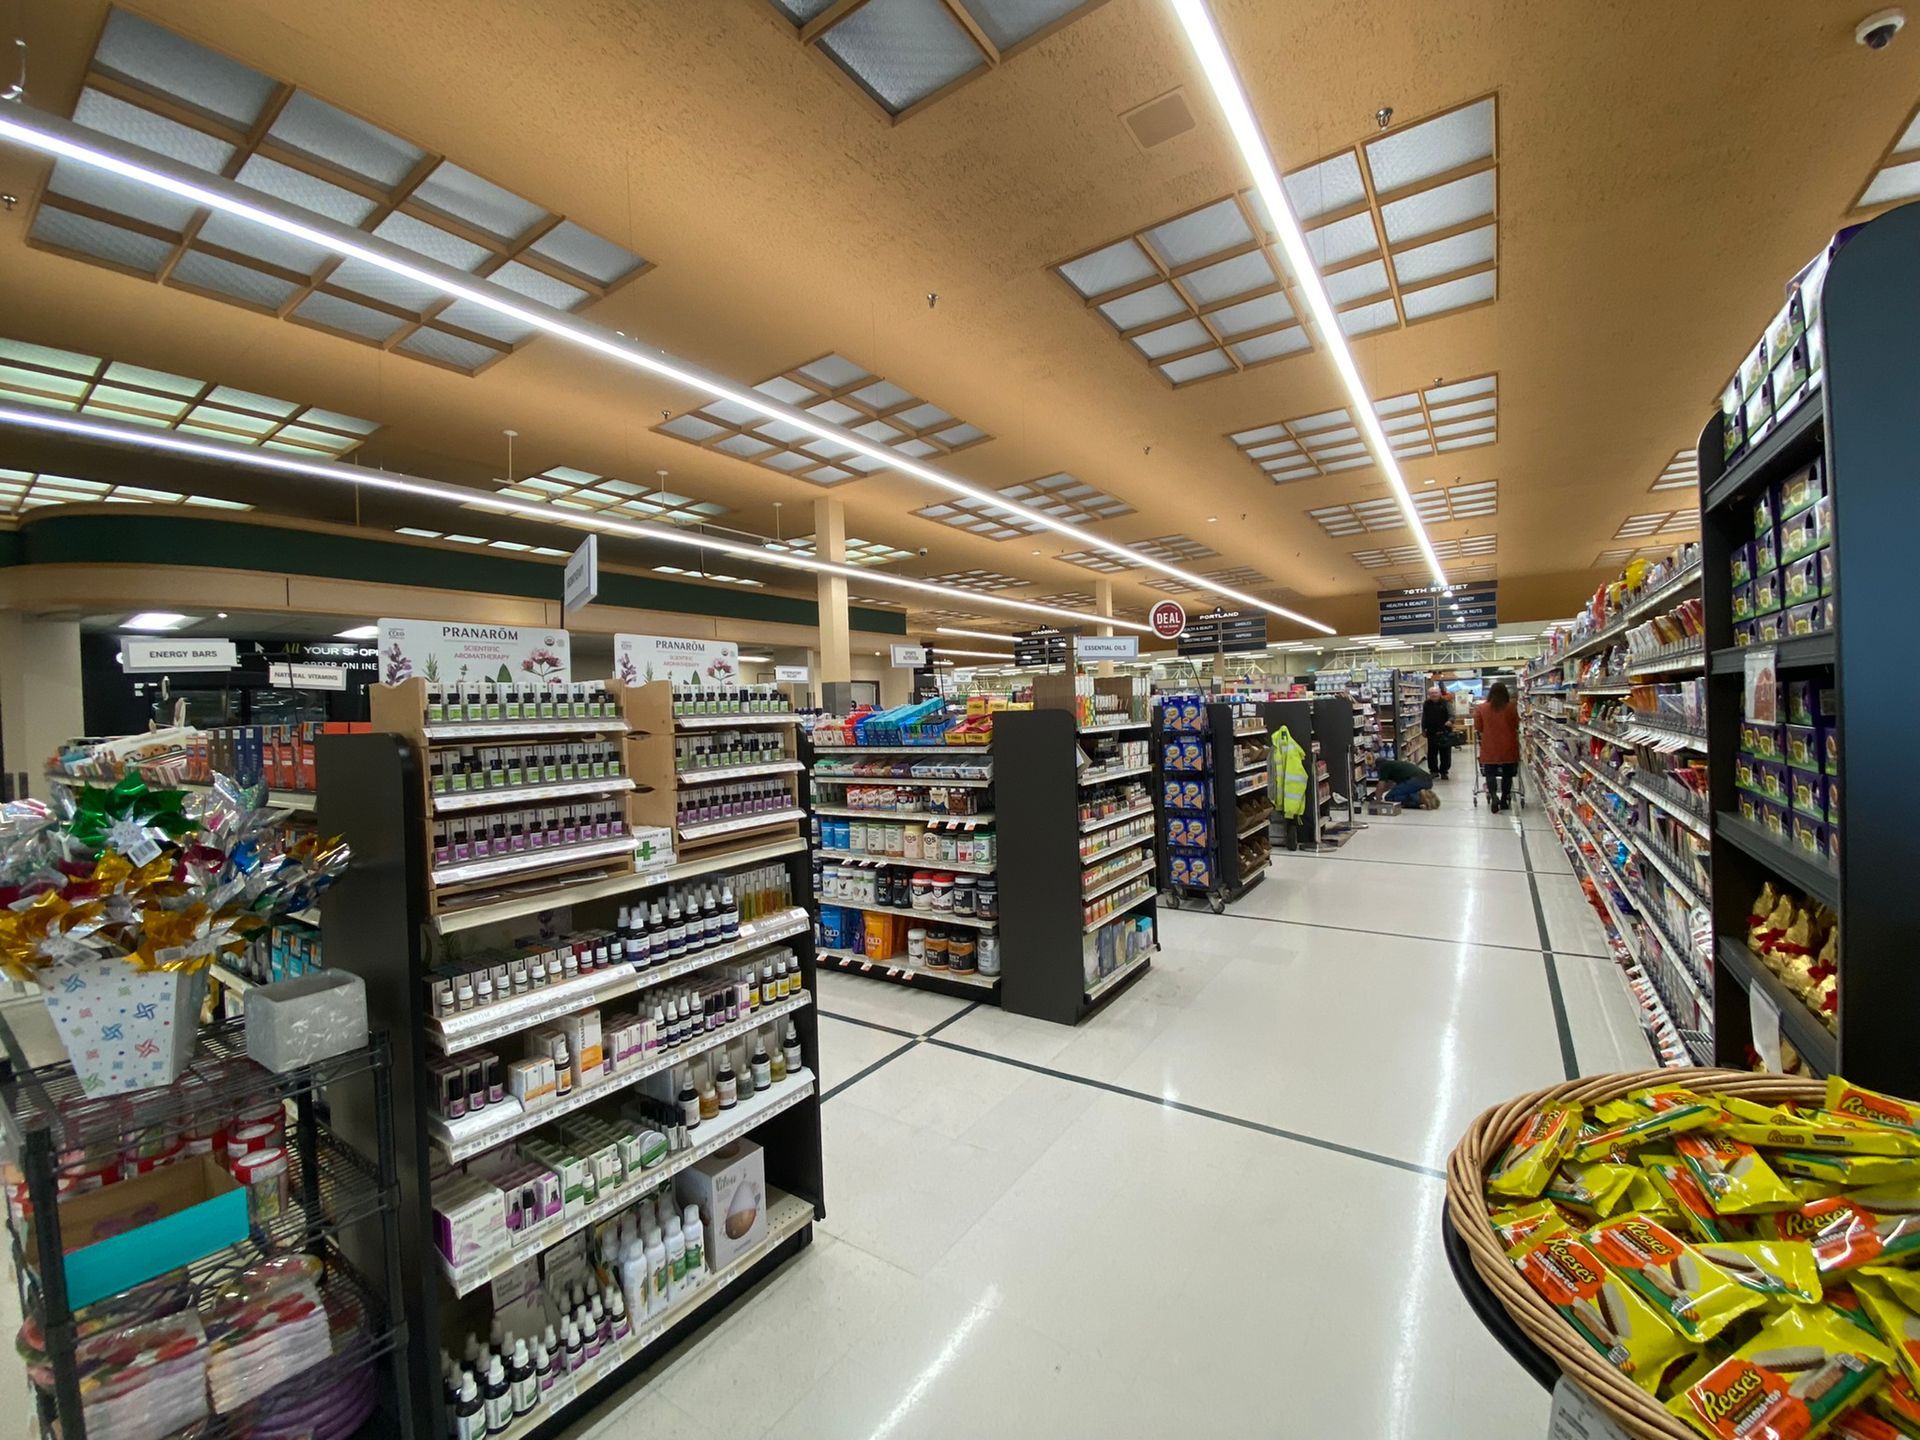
(1214, 1202)
(1238, 1224)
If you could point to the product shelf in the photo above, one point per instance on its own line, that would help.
(787, 1216)
(451, 732)
(981, 818)
(858, 858)
(714, 1135)
(1819, 879)
(1817, 1045)
(521, 906)
(459, 800)
(464, 1030)
(1114, 882)
(723, 722)
(898, 967)
(707, 830)
(717, 774)
(458, 1147)
(1088, 827)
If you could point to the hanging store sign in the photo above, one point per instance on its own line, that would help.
(1223, 632)
(146, 657)
(444, 652)
(1107, 647)
(1036, 648)
(638, 659)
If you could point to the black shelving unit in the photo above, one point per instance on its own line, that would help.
(1863, 426)
(341, 1211)
(377, 922)
(1044, 933)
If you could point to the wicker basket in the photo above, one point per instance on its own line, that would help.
(1635, 1411)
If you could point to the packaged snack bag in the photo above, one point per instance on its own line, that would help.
(1608, 1314)
(1537, 1148)
(1880, 1224)
(1733, 1175)
(1698, 1297)
(1782, 1269)
(1802, 1372)
(1689, 1202)
(1674, 1119)
(1894, 1319)
(1854, 1102)
(1598, 1189)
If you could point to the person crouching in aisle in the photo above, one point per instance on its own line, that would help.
(1436, 720)
(1497, 719)
(1409, 784)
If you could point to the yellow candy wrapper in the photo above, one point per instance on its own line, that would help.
(1698, 1297)
(1781, 1269)
(1735, 1178)
(1596, 1190)
(1660, 1124)
(1536, 1150)
(1894, 1319)
(1797, 1377)
(1609, 1314)
(1856, 1103)
(1685, 1198)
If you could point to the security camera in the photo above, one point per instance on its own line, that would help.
(1876, 32)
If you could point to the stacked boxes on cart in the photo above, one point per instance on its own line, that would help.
(1187, 799)
(1788, 776)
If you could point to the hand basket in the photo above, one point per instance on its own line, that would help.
(1630, 1407)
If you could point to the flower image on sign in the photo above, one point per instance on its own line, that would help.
(447, 653)
(640, 658)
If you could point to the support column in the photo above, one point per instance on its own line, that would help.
(40, 693)
(836, 655)
(1103, 605)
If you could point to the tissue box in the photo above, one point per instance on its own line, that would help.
(300, 1021)
(730, 1189)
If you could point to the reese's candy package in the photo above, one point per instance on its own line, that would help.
(1536, 1150)
(1733, 1175)
(1596, 1190)
(1685, 1198)
(1658, 1124)
(1698, 1297)
(1894, 1320)
(1609, 1315)
(1853, 1102)
(1781, 1269)
(1880, 1225)
(1802, 1372)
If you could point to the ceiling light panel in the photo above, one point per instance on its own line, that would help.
(1896, 176)
(1404, 228)
(977, 580)
(22, 491)
(859, 552)
(1451, 415)
(902, 55)
(839, 392)
(602, 494)
(114, 390)
(1060, 495)
(151, 87)
(1681, 473)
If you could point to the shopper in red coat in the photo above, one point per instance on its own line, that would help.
(1497, 719)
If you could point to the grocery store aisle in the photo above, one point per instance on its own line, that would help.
(1220, 1196)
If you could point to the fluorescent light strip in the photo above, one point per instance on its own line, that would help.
(1238, 113)
(343, 474)
(49, 134)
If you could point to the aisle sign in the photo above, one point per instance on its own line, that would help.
(791, 675)
(1228, 632)
(1168, 619)
(1107, 647)
(909, 657)
(638, 659)
(141, 656)
(1577, 1416)
(582, 579)
(444, 652)
(1045, 646)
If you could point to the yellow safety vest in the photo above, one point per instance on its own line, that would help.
(1287, 775)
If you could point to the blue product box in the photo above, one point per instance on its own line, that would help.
(122, 1235)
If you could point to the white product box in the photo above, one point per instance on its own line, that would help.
(730, 1189)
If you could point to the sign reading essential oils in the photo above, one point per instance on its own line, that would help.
(713, 664)
(446, 652)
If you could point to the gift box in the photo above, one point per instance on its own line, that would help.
(300, 1021)
(124, 1029)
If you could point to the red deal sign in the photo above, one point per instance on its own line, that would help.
(1168, 619)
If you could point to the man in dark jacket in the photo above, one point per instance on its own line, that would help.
(1436, 719)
